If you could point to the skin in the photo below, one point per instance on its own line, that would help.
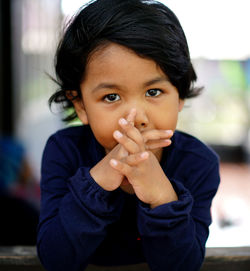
(132, 109)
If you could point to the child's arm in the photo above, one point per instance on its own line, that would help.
(75, 210)
(174, 233)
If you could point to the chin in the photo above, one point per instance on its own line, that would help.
(108, 147)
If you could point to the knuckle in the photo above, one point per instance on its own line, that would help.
(125, 169)
(128, 126)
(128, 171)
(132, 160)
(141, 140)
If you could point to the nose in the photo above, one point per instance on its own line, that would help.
(141, 118)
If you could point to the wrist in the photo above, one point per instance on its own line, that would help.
(108, 182)
(164, 197)
(98, 178)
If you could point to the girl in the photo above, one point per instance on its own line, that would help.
(125, 187)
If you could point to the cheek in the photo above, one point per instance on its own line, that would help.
(168, 119)
(103, 130)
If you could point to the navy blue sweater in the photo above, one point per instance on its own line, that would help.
(81, 223)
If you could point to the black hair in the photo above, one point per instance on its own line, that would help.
(149, 28)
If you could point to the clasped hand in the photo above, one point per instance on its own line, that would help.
(133, 159)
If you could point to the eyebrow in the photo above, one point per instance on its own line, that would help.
(156, 80)
(146, 84)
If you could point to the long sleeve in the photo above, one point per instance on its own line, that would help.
(75, 210)
(174, 234)
(81, 223)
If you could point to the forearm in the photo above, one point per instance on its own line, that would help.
(72, 235)
(177, 252)
(170, 236)
(57, 252)
(166, 194)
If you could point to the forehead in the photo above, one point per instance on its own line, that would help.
(113, 60)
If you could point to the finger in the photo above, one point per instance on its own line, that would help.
(132, 132)
(158, 144)
(122, 152)
(131, 116)
(135, 159)
(129, 145)
(122, 167)
(157, 134)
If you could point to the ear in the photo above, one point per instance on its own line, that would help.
(181, 104)
(78, 103)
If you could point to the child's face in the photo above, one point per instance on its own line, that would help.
(118, 80)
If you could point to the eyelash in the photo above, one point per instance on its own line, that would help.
(156, 90)
(105, 98)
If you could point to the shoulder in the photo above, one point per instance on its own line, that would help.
(69, 144)
(79, 136)
(193, 163)
(192, 146)
(73, 133)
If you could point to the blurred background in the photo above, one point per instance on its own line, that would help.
(217, 33)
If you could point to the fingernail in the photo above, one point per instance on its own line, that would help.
(117, 134)
(169, 132)
(122, 121)
(113, 162)
(144, 154)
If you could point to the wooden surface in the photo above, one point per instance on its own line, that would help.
(19, 255)
(217, 259)
(227, 259)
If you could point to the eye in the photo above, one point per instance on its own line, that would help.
(111, 98)
(153, 92)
